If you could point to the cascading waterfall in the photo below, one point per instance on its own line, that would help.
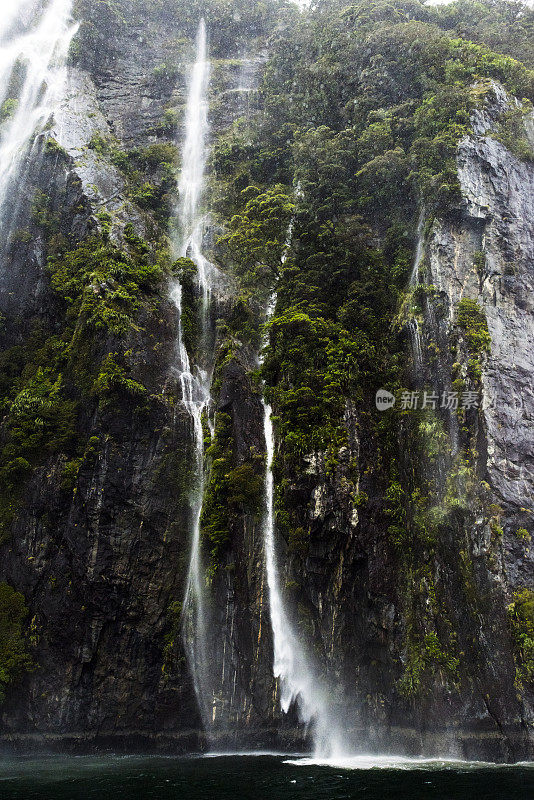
(194, 155)
(195, 382)
(32, 78)
(292, 666)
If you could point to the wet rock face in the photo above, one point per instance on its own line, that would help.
(485, 252)
(103, 567)
(499, 189)
(496, 220)
(100, 568)
(100, 565)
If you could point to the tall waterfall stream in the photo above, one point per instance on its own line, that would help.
(195, 381)
(292, 666)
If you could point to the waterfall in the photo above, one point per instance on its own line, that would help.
(194, 155)
(292, 667)
(298, 680)
(195, 381)
(34, 44)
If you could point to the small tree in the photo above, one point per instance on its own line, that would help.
(257, 240)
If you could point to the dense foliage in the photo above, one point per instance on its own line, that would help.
(363, 108)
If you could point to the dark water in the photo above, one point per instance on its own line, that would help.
(256, 778)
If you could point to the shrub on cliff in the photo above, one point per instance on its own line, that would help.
(14, 656)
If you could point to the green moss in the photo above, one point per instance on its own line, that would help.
(479, 262)
(245, 488)
(15, 659)
(512, 131)
(424, 656)
(232, 490)
(70, 474)
(8, 109)
(152, 176)
(100, 144)
(521, 615)
(524, 535)
(471, 319)
(215, 520)
(168, 123)
(162, 154)
(54, 148)
(103, 285)
(40, 416)
(113, 386)
(42, 215)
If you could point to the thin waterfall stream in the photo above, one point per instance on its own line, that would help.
(292, 667)
(195, 380)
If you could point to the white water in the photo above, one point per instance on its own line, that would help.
(195, 383)
(292, 666)
(34, 44)
(366, 762)
(417, 345)
(194, 156)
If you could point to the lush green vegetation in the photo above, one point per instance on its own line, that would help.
(15, 659)
(233, 489)
(101, 284)
(363, 111)
(53, 379)
(150, 173)
(472, 323)
(521, 614)
(472, 320)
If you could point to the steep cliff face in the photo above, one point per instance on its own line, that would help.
(358, 593)
(403, 539)
(485, 254)
(100, 538)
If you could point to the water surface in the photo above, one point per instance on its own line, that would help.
(259, 777)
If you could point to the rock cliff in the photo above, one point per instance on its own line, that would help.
(96, 522)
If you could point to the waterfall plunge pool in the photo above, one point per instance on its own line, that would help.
(254, 776)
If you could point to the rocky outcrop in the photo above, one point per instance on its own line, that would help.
(495, 221)
(484, 251)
